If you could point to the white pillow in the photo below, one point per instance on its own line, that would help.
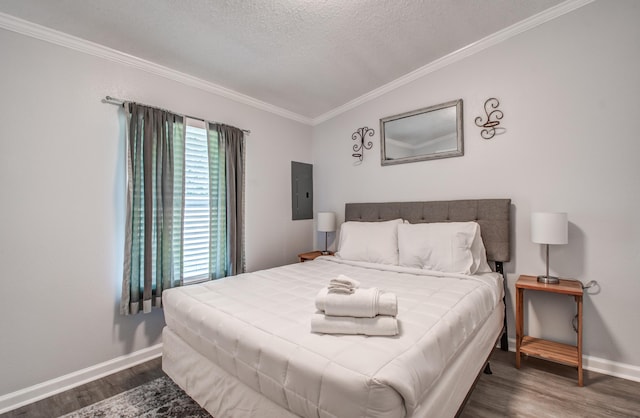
(451, 247)
(374, 242)
(479, 254)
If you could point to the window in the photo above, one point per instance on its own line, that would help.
(196, 203)
(183, 220)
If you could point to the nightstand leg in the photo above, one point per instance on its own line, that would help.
(579, 302)
(519, 323)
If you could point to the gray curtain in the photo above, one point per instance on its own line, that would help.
(155, 196)
(231, 144)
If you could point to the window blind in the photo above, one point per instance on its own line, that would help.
(196, 210)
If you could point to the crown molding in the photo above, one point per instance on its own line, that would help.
(72, 42)
(34, 30)
(464, 52)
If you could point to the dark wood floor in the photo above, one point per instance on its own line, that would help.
(90, 393)
(544, 389)
(539, 389)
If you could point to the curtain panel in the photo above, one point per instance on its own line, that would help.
(227, 172)
(155, 203)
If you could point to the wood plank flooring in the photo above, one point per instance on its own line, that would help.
(90, 393)
(539, 389)
(544, 389)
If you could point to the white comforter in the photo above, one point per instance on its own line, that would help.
(256, 327)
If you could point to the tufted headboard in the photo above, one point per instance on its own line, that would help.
(491, 214)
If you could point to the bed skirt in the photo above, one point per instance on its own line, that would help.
(224, 396)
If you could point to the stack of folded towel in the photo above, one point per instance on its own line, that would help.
(343, 285)
(348, 309)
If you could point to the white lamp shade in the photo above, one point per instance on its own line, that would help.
(549, 228)
(326, 221)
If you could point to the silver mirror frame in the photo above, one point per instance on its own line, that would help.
(459, 151)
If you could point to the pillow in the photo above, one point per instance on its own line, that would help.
(479, 254)
(374, 242)
(450, 247)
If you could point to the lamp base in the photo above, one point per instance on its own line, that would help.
(325, 252)
(548, 279)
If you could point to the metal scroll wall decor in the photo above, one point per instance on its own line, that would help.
(361, 144)
(492, 124)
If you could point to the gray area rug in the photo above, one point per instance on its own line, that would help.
(158, 398)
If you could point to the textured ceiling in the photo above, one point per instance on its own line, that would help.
(305, 56)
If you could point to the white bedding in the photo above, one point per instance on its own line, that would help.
(256, 327)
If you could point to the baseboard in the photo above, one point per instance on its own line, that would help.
(600, 365)
(51, 387)
(612, 368)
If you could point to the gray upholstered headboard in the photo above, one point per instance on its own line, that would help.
(491, 214)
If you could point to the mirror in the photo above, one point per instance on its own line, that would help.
(424, 134)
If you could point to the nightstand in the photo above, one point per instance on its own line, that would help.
(310, 256)
(549, 350)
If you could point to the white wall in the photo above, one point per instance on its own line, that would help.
(570, 93)
(62, 210)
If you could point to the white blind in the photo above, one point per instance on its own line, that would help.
(196, 210)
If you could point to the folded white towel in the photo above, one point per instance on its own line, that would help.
(387, 304)
(344, 281)
(364, 303)
(339, 290)
(379, 325)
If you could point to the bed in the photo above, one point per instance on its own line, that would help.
(242, 346)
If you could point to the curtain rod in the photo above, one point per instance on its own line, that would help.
(120, 102)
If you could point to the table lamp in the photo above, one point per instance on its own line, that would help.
(549, 228)
(326, 224)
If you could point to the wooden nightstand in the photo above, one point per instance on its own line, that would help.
(537, 347)
(310, 256)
